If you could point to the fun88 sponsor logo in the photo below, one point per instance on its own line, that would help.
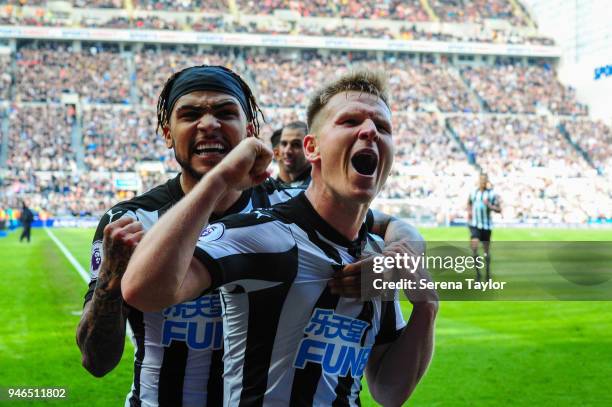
(197, 323)
(334, 342)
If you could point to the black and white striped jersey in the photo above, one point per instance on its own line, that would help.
(481, 213)
(288, 340)
(178, 352)
(302, 180)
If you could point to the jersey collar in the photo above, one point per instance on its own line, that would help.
(237, 207)
(308, 216)
(174, 186)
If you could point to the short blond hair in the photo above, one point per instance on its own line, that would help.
(361, 80)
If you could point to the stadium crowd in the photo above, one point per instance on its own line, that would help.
(114, 126)
(407, 10)
(60, 193)
(97, 75)
(411, 10)
(421, 142)
(417, 86)
(146, 22)
(595, 138)
(502, 145)
(477, 11)
(101, 75)
(104, 151)
(527, 199)
(5, 77)
(39, 139)
(516, 89)
(348, 14)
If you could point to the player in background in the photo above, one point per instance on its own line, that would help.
(294, 169)
(481, 202)
(289, 340)
(203, 113)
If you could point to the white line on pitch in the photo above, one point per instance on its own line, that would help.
(69, 256)
(75, 264)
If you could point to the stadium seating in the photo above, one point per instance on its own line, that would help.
(391, 20)
(98, 76)
(595, 138)
(515, 89)
(400, 10)
(502, 145)
(513, 120)
(117, 139)
(477, 11)
(39, 139)
(5, 77)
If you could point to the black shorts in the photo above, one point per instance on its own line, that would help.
(484, 235)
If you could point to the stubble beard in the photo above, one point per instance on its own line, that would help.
(186, 167)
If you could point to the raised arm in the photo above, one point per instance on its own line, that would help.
(163, 270)
(101, 330)
(394, 369)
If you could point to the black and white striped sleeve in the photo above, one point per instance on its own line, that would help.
(244, 249)
(391, 323)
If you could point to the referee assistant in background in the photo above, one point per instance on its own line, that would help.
(480, 204)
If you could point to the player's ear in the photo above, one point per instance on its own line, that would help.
(167, 136)
(250, 128)
(311, 147)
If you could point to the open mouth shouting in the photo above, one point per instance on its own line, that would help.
(365, 161)
(209, 149)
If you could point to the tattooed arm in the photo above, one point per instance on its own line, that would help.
(395, 369)
(101, 330)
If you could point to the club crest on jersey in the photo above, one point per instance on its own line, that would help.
(96, 258)
(334, 342)
(197, 323)
(212, 232)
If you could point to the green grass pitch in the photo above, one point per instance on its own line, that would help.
(487, 353)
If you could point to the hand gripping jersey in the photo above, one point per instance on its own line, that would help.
(178, 352)
(288, 340)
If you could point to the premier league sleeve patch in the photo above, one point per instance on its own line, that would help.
(212, 232)
(96, 259)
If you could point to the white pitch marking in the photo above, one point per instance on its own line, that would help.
(69, 256)
(76, 265)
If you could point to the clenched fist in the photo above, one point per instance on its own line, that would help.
(245, 166)
(120, 240)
